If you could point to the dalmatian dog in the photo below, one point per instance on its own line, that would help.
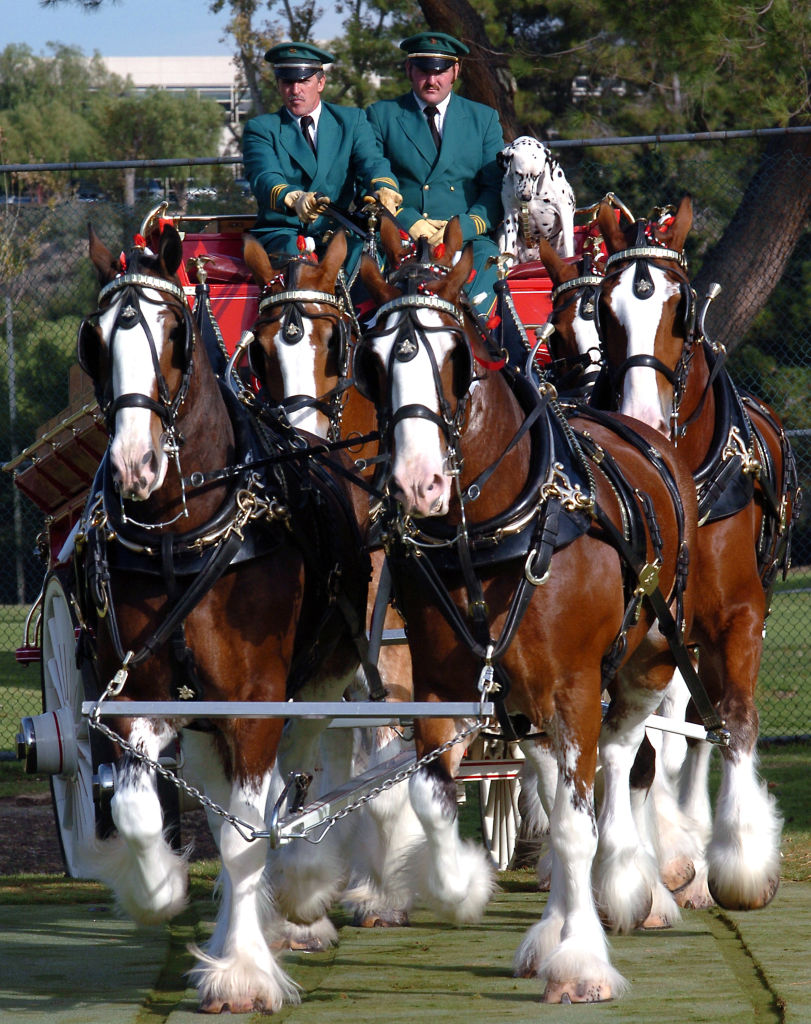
(538, 201)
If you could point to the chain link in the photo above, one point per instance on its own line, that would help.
(244, 828)
(387, 784)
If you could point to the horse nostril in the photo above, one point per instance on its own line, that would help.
(150, 462)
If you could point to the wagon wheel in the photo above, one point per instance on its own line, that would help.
(498, 799)
(62, 741)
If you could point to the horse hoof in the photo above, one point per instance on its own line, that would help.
(310, 945)
(732, 901)
(677, 874)
(245, 1005)
(576, 992)
(384, 919)
(655, 922)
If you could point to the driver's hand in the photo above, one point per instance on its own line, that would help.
(389, 199)
(308, 205)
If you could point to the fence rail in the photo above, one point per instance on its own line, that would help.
(47, 285)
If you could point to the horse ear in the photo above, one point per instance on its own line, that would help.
(558, 270)
(391, 239)
(374, 281)
(171, 250)
(609, 228)
(453, 236)
(334, 258)
(253, 252)
(676, 233)
(450, 286)
(107, 266)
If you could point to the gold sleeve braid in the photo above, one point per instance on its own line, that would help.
(387, 182)
(479, 224)
(275, 194)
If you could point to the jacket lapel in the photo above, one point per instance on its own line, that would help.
(454, 134)
(415, 127)
(329, 140)
(293, 143)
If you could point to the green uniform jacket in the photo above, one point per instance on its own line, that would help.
(464, 179)
(277, 160)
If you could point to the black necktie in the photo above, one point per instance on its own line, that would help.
(306, 125)
(431, 113)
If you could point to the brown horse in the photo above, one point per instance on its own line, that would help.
(203, 574)
(303, 347)
(505, 535)
(661, 370)
(574, 345)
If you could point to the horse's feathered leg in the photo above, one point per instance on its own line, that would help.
(147, 876)
(243, 974)
(454, 876)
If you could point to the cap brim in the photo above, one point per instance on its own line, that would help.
(429, 64)
(294, 73)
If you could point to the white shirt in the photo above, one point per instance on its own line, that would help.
(315, 115)
(442, 109)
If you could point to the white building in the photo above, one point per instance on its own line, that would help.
(214, 78)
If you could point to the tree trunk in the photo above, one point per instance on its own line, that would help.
(485, 74)
(752, 254)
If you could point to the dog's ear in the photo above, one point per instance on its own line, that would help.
(504, 158)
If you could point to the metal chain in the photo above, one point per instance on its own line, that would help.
(396, 779)
(244, 828)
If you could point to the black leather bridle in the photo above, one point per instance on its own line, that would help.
(641, 255)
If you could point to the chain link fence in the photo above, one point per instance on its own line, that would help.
(47, 285)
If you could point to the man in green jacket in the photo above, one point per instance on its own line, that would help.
(309, 154)
(442, 150)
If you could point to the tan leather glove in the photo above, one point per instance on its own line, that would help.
(389, 199)
(308, 208)
(439, 235)
(425, 227)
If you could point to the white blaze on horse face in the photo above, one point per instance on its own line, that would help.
(640, 318)
(585, 332)
(418, 471)
(297, 367)
(138, 460)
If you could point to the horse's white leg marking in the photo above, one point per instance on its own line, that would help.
(147, 876)
(307, 879)
(244, 975)
(678, 844)
(455, 877)
(694, 800)
(625, 872)
(539, 782)
(640, 318)
(578, 968)
(743, 856)
(383, 832)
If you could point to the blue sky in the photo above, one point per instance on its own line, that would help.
(129, 28)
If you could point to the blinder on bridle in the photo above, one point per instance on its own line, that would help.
(130, 315)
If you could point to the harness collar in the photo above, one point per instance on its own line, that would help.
(586, 281)
(142, 281)
(652, 252)
(421, 302)
(301, 295)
